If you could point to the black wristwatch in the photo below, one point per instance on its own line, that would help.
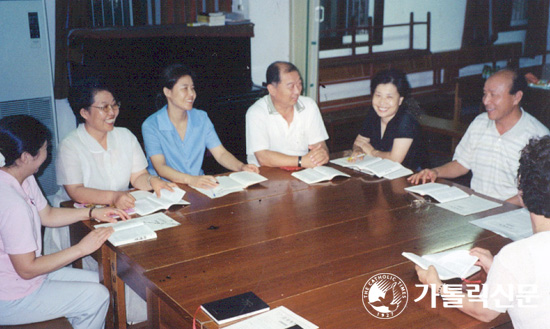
(300, 161)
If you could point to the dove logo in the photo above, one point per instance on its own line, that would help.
(385, 296)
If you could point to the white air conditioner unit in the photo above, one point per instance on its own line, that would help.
(26, 79)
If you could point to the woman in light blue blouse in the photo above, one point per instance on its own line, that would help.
(177, 135)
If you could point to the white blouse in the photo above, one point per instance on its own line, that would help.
(82, 160)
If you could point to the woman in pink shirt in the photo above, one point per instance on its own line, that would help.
(33, 287)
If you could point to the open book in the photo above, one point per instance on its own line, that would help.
(130, 232)
(138, 229)
(318, 174)
(234, 307)
(440, 192)
(375, 166)
(147, 202)
(235, 182)
(449, 264)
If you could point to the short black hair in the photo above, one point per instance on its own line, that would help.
(19, 134)
(172, 73)
(534, 175)
(519, 83)
(82, 93)
(273, 72)
(169, 77)
(393, 76)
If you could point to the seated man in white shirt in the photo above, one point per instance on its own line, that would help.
(518, 278)
(284, 129)
(492, 144)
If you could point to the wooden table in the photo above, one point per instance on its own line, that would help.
(308, 247)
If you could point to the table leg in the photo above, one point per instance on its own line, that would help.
(105, 278)
(117, 289)
(76, 233)
(153, 309)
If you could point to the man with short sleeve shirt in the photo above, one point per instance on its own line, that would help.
(284, 129)
(492, 144)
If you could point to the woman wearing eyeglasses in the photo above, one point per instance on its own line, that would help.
(97, 161)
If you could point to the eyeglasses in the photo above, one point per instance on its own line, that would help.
(105, 109)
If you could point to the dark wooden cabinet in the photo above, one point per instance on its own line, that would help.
(227, 113)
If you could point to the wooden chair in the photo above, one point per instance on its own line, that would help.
(343, 126)
(59, 323)
(468, 94)
(468, 97)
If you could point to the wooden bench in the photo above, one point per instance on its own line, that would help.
(59, 323)
(454, 129)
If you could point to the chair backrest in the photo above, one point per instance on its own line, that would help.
(536, 101)
(468, 96)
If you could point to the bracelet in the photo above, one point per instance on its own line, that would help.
(300, 161)
(149, 179)
(90, 212)
(439, 290)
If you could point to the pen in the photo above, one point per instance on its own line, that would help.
(357, 156)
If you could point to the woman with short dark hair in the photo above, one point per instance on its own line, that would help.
(177, 135)
(390, 129)
(96, 163)
(35, 288)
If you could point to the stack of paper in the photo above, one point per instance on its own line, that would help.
(235, 19)
(213, 19)
(375, 166)
(470, 205)
(515, 225)
(278, 318)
